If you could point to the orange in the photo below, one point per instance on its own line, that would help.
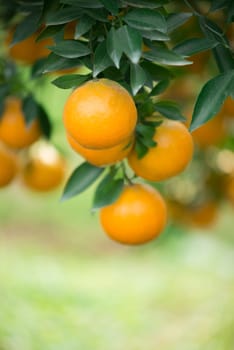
(200, 61)
(138, 215)
(204, 215)
(103, 157)
(13, 130)
(228, 107)
(28, 50)
(210, 133)
(45, 170)
(8, 166)
(169, 157)
(100, 114)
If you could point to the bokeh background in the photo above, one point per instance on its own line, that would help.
(65, 285)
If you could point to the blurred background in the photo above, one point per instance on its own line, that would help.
(65, 285)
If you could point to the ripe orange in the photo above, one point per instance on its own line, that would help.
(100, 114)
(8, 166)
(210, 133)
(103, 157)
(138, 215)
(28, 50)
(44, 170)
(169, 157)
(13, 130)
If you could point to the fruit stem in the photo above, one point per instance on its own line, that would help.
(126, 178)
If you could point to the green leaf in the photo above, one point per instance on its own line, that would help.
(101, 59)
(131, 43)
(84, 24)
(218, 4)
(70, 49)
(165, 56)
(137, 78)
(81, 178)
(49, 31)
(147, 131)
(146, 19)
(64, 15)
(53, 63)
(170, 110)
(114, 46)
(100, 15)
(111, 5)
(4, 91)
(156, 72)
(160, 87)
(154, 35)
(194, 45)
(44, 120)
(140, 148)
(30, 109)
(150, 4)
(83, 3)
(175, 20)
(28, 26)
(211, 98)
(107, 192)
(70, 81)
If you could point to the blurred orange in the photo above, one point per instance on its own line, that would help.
(13, 129)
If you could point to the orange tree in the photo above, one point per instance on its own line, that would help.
(129, 51)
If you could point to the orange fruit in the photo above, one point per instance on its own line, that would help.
(8, 165)
(204, 215)
(28, 50)
(138, 215)
(210, 133)
(103, 157)
(100, 114)
(44, 170)
(13, 130)
(200, 61)
(169, 157)
(228, 107)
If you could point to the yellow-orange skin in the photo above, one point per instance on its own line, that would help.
(43, 177)
(138, 216)
(8, 166)
(13, 130)
(169, 157)
(103, 157)
(210, 133)
(100, 114)
(28, 50)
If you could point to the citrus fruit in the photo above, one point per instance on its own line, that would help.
(8, 165)
(170, 156)
(100, 114)
(137, 216)
(103, 157)
(211, 133)
(204, 215)
(13, 129)
(28, 50)
(44, 170)
(228, 107)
